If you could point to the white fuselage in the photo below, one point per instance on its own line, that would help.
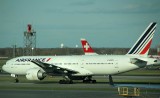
(97, 65)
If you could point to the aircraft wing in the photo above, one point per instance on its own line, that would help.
(50, 68)
(61, 69)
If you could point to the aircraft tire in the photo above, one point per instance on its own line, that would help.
(65, 82)
(16, 81)
(89, 81)
(94, 81)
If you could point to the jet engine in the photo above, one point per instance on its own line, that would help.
(35, 74)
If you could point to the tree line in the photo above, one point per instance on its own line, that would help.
(10, 52)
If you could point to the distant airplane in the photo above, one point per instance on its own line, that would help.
(87, 48)
(83, 67)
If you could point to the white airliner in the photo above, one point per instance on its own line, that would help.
(83, 67)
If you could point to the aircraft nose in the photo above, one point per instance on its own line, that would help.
(4, 68)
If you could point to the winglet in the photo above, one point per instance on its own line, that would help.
(142, 46)
(87, 48)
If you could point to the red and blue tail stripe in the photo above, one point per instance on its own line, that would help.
(141, 47)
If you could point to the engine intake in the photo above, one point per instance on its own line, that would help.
(35, 74)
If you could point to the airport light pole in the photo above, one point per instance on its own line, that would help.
(32, 50)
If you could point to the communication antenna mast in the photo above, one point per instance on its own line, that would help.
(29, 41)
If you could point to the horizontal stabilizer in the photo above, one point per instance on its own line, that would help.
(137, 60)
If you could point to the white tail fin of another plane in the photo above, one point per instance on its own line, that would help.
(87, 48)
(142, 46)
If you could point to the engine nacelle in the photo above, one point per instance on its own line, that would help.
(35, 74)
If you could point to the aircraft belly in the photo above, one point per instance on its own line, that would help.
(103, 70)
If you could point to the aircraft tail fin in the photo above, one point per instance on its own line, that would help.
(142, 46)
(87, 48)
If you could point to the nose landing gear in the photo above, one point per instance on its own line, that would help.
(16, 78)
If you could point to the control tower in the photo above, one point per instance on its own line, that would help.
(29, 41)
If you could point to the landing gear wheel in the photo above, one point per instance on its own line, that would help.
(65, 82)
(61, 81)
(94, 81)
(16, 80)
(89, 81)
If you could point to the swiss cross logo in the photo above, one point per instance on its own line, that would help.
(86, 47)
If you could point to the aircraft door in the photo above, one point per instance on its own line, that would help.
(82, 63)
(116, 63)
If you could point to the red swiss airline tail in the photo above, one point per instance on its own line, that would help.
(87, 48)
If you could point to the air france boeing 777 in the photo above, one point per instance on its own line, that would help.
(83, 67)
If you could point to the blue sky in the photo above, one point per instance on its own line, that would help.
(104, 23)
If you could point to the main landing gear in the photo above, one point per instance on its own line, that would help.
(110, 80)
(66, 80)
(89, 80)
